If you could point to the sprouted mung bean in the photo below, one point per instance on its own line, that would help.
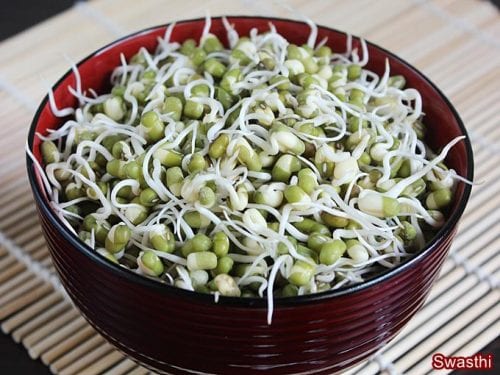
(263, 169)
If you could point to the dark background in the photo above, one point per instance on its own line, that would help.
(16, 16)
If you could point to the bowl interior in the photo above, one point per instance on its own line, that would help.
(443, 123)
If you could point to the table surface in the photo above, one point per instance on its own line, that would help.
(478, 24)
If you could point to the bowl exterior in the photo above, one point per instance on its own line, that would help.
(174, 331)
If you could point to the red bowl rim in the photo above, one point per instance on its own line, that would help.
(169, 290)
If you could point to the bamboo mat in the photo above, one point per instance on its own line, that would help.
(454, 42)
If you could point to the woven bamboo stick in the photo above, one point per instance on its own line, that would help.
(12, 192)
(458, 47)
(14, 141)
(30, 313)
(483, 338)
(489, 65)
(482, 244)
(20, 290)
(492, 268)
(7, 261)
(51, 327)
(476, 230)
(477, 83)
(32, 251)
(55, 337)
(444, 291)
(24, 300)
(423, 47)
(469, 329)
(478, 112)
(488, 136)
(475, 219)
(15, 219)
(21, 202)
(484, 163)
(483, 152)
(83, 362)
(370, 368)
(14, 232)
(355, 370)
(47, 262)
(13, 282)
(104, 363)
(485, 257)
(122, 368)
(445, 283)
(31, 238)
(68, 344)
(138, 371)
(451, 274)
(45, 317)
(449, 330)
(437, 303)
(435, 71)
(7, 273)
(471, 106)
(11, 177)
(76, 353)
(13, 135)
(460, 303)
(488, 219)
(39, 254)
(477, 16)
(36, 244)
(493, 133)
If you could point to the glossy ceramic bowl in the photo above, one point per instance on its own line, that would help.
(173, 330)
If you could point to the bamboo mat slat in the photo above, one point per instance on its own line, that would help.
(454, 42)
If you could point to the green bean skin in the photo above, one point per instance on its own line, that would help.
(334, 221)
(438, 199)
(202, 260)
(301, 273)
(151, 263)
(193, 109)
(117, 238)
(162, 239)
(220, 244)
(331, 251)
(218, 147)
(226, 286)
(50, 153)
(224, 265)
(212, 44)
(153, 126)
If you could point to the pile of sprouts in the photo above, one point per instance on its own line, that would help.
(258, 169)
